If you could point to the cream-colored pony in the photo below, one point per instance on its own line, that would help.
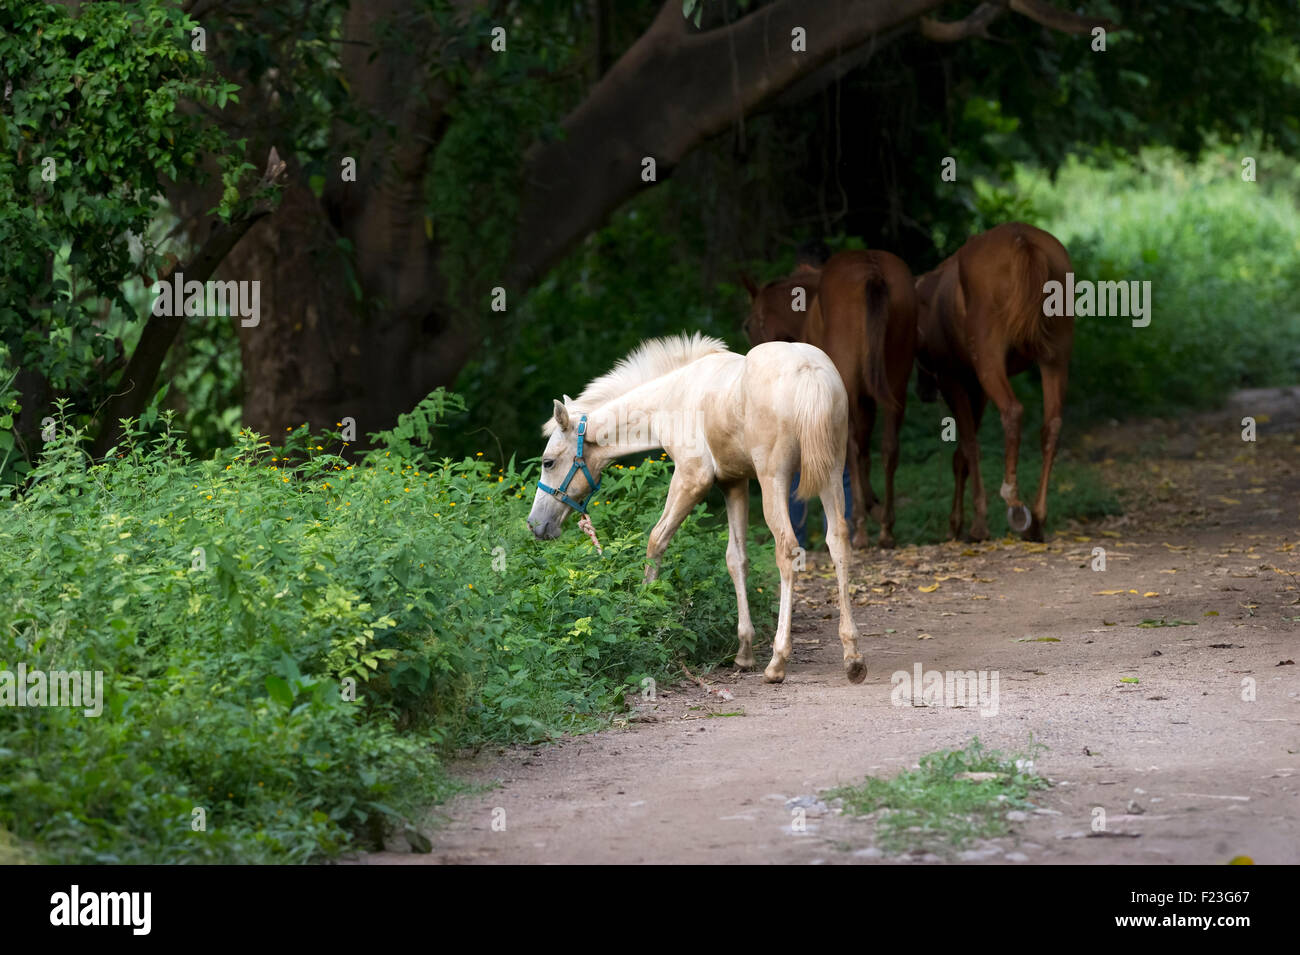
(723, 418)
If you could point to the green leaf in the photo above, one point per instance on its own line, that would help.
(279, 691)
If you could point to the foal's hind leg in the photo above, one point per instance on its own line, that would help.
(837, 542)
(775, 487)
(738, 567)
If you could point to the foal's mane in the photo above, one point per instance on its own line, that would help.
(652, 359)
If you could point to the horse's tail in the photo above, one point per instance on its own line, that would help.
(819, 402)
(1026, 325)
(877, 318)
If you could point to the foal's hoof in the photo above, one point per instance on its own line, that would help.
(773, 675)
(855, 670)
(1019, 519)
(745, 662)
(887, 541)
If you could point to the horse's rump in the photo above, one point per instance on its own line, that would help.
(1010, 264)
(865, 307)
(798, 382)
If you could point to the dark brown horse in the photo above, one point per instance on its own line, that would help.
(861, 311)
(981, 321)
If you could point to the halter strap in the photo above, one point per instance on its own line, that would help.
(579, 464)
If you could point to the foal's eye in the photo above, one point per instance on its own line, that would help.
(548, 463)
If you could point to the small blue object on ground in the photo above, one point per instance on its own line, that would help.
(799, 510)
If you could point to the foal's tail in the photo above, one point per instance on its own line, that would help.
(877, 319)
(819, 403)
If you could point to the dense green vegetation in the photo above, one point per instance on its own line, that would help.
(1223, 259)
(227, 601)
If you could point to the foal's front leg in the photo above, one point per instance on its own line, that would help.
(687, 488)
(738, 567)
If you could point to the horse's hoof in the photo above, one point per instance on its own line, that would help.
(977, 534)
(773, 675)
(1034, 532)
(860, 540)
(855, 670)
(1019, 519)
(887, 541)
(746, 663)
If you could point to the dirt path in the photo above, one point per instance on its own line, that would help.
(1185, 769)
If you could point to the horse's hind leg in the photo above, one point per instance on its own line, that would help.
(1054, 377)
(993, 376)
(738, 566)
(957, 515)
(837, 542)
(889, 454)
(967, 404)
(859, 460)
(775, 487)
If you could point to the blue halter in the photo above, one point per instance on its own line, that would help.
(579, 464)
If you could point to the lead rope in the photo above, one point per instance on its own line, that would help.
(584, 525)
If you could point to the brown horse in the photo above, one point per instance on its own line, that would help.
(861, 311)
(981, 321)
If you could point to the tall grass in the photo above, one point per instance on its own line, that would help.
(1223, 259)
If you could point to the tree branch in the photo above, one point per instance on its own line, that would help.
(671, 91)
(974, 24)
(1063, 21)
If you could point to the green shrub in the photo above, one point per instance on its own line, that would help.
(229, 601)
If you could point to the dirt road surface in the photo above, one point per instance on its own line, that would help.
(1196, 762)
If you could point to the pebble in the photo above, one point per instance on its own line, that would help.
(979, 855)
(811, 805)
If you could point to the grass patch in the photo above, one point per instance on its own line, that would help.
(936, 808)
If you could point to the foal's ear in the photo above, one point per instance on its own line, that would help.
(750, 285)
(561, 415)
